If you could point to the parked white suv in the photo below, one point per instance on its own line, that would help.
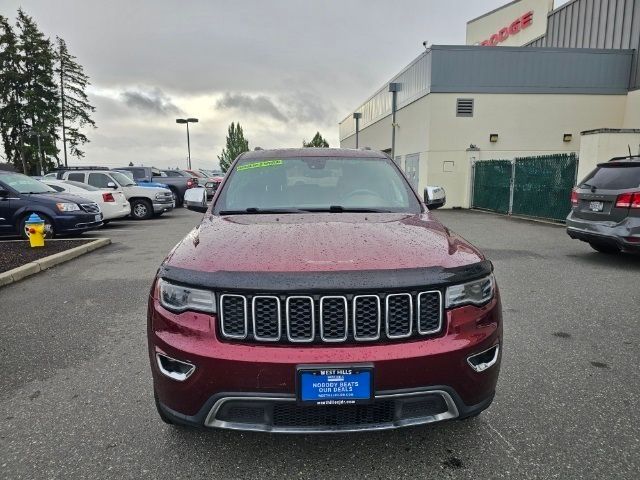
(145, 201)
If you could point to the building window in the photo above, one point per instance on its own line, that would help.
(464, 107)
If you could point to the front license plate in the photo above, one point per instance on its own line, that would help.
(596, 206)
(335, 385)
(98, 217)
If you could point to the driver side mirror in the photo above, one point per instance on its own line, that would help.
(434, 197)
(196, 199)
(112, 185)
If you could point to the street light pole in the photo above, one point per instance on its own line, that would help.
(187, 121)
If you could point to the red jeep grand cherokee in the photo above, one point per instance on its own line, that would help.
(318, 295)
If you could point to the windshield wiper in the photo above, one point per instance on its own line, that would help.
(250, 210)
(341, 209)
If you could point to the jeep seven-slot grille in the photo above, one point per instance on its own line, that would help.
(330, 318)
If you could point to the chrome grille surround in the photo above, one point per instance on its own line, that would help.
(323, 334)
(366, 338)
(298, 339)
(332, 319)
(254, 304)
(391, 303)
(433, 293)
(236, 336)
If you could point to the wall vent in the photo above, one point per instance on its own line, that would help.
(464, 107)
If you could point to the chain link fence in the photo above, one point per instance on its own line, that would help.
(537, 187)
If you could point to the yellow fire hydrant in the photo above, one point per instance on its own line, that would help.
(34, 227)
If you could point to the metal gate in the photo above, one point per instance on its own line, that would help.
(412, 168)
(492, 185)
(530, 186)
(542, 186)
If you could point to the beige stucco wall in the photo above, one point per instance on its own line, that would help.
(527, 124)
(482, 28)
(632, 112)
(602, 147)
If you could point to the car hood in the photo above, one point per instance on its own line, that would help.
(320, 243)
(48, 198)
(144, 191)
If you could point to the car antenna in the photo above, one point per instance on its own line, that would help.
(629, 147)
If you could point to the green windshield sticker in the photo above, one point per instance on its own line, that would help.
(264, 163)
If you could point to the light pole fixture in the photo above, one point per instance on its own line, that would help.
(357, 116)
(394, 88)
(187, 121)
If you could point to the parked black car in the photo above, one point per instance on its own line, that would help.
(20, 196)
(606, 207)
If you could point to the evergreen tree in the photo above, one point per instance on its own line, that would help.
(316, 141)
(236, 144)
(75, 108)
(11, 95)
(40, 102)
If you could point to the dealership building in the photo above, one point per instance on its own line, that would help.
(531, 80)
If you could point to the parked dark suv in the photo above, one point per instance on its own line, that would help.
(319, 294)
(63, 213)
(606, 207)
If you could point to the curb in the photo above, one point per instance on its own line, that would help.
(45, 263)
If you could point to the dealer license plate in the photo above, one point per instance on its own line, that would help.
(596, 206)
(335, 385)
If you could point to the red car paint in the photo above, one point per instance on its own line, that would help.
(318, 243)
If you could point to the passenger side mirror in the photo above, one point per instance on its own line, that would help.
(196, 199)
(112, 185)
(3, 193)
(434, 197)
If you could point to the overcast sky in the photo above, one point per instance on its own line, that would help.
(284, 69)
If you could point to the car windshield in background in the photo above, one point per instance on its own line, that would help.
(23, 184)
(613, 177)
(83, 186)
(123, 180)
(316, 184)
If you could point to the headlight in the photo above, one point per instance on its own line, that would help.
(67, 207)
(477, 292)
(179, 298)
(161, 196)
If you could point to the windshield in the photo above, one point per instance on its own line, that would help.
(613, 177)
(83, 186)
(123, 180)
(317, 184)
(23, 184)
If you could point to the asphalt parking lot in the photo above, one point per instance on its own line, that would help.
(76, 398)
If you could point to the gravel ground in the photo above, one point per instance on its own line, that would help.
(14, 253)
(76, 398)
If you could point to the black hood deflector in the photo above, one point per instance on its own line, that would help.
(334, 281)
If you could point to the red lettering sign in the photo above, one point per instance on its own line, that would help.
(504, 33)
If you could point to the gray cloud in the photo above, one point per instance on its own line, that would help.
(154, 101)
(301, 107)
(260, 104)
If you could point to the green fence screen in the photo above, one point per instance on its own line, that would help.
(542, 186)
(491, 185)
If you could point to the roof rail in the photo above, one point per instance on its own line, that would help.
(63, 169)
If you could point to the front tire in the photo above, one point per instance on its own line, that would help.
(141, 209)
(604, 248)
(177, 199)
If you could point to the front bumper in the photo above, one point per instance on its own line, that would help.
(162, 207)
(76, 223)
(263, 378)
(624, 235)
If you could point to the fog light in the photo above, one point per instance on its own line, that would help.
(484, 360)
(174, 369)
